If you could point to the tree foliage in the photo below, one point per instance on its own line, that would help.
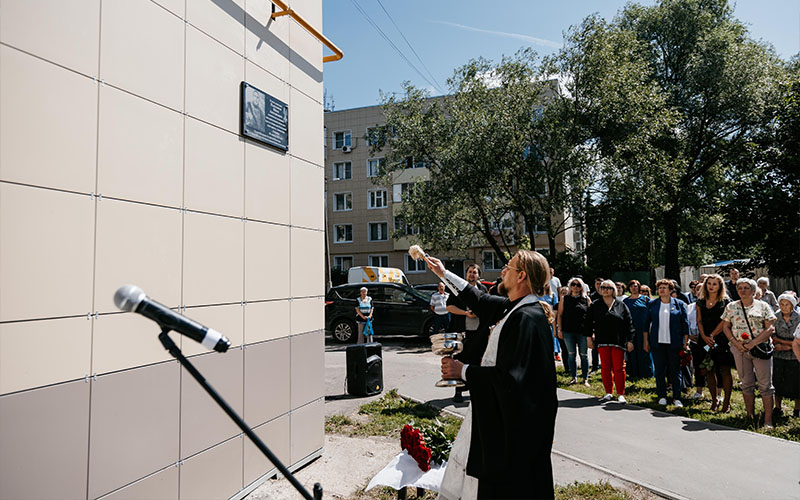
(499, 150)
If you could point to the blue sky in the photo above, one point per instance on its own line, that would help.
(448, 33)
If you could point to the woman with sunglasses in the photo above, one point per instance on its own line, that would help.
(609, 321)
(572, 328)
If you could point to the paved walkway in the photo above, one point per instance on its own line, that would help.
(674, 456)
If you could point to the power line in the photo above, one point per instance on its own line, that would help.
(439, 87)
(389, 41)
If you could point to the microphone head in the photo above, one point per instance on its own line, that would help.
(128, 297)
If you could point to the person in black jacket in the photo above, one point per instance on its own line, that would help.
(507, 435)
(611, 326)
(476, 332)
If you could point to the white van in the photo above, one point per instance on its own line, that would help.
(372, 274)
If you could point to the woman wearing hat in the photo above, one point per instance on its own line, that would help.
(785, 368)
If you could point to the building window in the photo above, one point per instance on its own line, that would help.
(539, 225)
(342, 171)
(375, 166)
(342, 202)
(379, 260)
(414, 266)
(406, 229)
(343, 262)
(378, 231)
(371, 135)
(400, 190)
(343, 233)
(544, 251)
(342, 138)
(377, 199)
(491, 262)
(418, 163)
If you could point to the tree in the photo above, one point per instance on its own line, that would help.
(498, 154)
(672, 93)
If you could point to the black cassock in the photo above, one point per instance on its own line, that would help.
(514, 403)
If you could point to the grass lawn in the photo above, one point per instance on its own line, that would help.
(574, 491)
(642, 392)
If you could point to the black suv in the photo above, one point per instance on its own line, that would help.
(399, 309)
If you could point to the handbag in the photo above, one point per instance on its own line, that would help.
(762, 350)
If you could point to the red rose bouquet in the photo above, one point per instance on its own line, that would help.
(686, 358)
(427, 445)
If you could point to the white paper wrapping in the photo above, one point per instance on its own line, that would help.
(404, 471)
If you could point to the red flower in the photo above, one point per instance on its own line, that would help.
(745, 336)
(412, 441)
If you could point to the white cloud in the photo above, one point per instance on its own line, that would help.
(526, 38)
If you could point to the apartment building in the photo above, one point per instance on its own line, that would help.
(362, 215)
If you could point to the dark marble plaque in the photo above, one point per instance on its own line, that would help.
(264, 118)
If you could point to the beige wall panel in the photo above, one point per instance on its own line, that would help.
(225, 25)
(266, 320)
(74, 26)
(275, 435)
(134, 425)
(266, 381)
(213, 77)
(264, 80)
(308, 315)
(227, 319)
(212, 259)
(203, 423)
(311, 10)
(140, 154)
(162, 485)
(43, 452)
(267, 184)
(266, 261)
(308, 435)
(215, 473)
(308, 272)
(266, 40)
(308, 195)
(123, 341)
(308, 367)
(214, 170)
(149, 66)
(306, 61)
(46, 244)
(306, 137)
(177, 7)
(48, 124)
(140, 245)
(37, 353)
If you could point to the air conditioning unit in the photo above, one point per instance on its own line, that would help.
(347, 149)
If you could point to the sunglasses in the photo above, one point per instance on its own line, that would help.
(607, 288)
(576, 285)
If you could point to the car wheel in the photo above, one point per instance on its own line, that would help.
(344, 331)
(427, 330)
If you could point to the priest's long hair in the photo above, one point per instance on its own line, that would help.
(537, 271)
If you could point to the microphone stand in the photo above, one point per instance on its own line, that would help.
(176, 353)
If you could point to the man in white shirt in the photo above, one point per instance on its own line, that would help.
(439, 307)
(555, 283)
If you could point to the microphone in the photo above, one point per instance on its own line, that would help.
(131, 298)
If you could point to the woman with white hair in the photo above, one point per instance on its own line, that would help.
(609, 321)
(747, 323)
(766, 294)
(364, 313)
(572, 328)
(786, 369)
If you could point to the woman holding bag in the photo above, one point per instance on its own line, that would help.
(711, 304)
(747, 323)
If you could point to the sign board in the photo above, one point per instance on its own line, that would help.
(264, 118)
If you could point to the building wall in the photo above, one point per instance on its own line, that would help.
(121, 162)
(356, 121)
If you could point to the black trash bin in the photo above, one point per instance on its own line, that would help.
(364, 369)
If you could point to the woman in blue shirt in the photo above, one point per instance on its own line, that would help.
(666, 333)
(640, 363)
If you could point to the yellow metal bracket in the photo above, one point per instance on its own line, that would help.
(286, 11)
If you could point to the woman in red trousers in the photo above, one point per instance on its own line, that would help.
(610, 323)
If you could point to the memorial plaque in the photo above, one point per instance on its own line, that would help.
(264, 118)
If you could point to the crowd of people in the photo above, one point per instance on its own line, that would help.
(686, 339)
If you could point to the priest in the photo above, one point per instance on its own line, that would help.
(503, 447)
